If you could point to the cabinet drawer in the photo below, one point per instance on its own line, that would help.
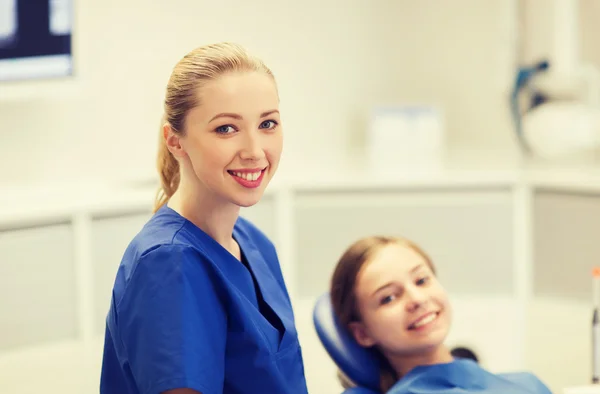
(38, 301)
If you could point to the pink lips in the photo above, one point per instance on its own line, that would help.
(249, 178)
(428, 315)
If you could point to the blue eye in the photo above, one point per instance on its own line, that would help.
(268, 124)
(225, 129)
(422, 281)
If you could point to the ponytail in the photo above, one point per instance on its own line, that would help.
(168, 169)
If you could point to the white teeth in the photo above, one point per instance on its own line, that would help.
(249, 176)
(431, 317)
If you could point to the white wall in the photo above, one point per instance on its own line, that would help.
(333, 59)
(460, 54)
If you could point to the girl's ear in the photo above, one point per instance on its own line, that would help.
(173, 141)
(361, 334)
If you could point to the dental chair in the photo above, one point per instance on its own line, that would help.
(358, 365)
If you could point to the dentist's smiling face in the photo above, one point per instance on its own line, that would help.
(403, 309)
(234, 139)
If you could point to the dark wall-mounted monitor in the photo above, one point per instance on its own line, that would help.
(35, 39)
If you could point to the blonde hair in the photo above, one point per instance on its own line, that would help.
(343, 283)
(189, 75)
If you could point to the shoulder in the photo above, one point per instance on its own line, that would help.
(164, 236)
(161, 229)
(169, 281)
(159, 265)
(528, 380)
(158, 252)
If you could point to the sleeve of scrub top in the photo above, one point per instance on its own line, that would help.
(173, 324)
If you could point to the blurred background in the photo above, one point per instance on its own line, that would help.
(471, 127)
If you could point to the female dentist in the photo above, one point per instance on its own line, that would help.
(199, 303)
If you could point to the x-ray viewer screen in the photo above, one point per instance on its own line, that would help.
(35, 39)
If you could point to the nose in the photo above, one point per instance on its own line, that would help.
(252, 148)
(416, 297)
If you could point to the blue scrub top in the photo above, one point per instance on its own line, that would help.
(463, 376)
(185, 313)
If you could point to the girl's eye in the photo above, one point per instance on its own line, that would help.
(387, 299)
(226, 129)
(268, 124)
(422, 281)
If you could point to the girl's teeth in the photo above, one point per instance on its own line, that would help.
(249, 176)
(425, 320)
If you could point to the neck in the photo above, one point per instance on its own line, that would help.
(402, 364)
(213, 215)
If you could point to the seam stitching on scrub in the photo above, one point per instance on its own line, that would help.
(142, 257)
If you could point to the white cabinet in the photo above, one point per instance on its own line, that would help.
(264, 216)
(567, 244)
(110, 236)
(468, 235)
(38, 302)
(485, 237)
(566, 248)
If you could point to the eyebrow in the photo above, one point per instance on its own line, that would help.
(413, 270)
(239, 117)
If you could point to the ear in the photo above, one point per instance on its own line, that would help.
(173, 141)
(361, 334)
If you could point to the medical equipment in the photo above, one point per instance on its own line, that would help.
(34, 48)
(358, 364)
(405, 138)
(562, 117)
(523, 81)
(8, 23)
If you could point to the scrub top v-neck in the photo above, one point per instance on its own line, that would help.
(264, 308)
(186, 313)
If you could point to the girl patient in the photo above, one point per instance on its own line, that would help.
(385, 292)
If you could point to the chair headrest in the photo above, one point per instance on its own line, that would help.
(359, 364)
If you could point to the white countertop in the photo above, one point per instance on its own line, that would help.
(40, 203)
(461, 169)
(69, 367)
